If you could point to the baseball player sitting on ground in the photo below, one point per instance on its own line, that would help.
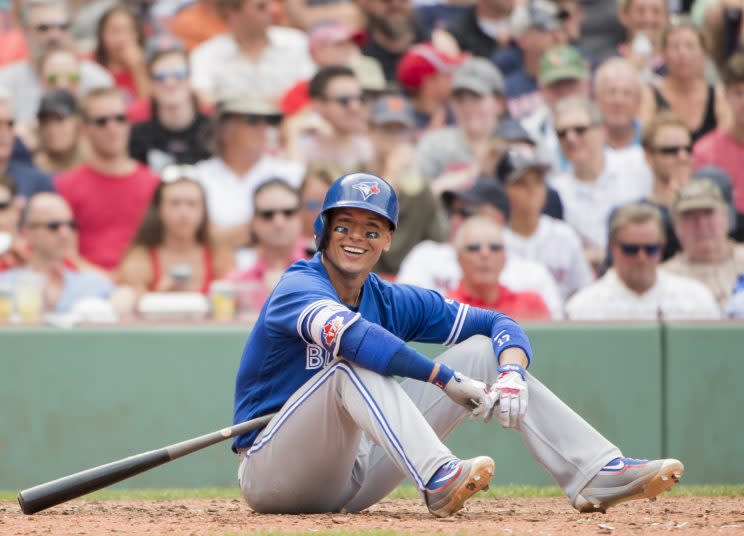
(324, 351)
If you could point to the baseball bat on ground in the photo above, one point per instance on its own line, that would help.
(69, 487)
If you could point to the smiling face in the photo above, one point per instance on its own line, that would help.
(355, 241)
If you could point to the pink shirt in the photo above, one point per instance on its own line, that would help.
(108, 209)
(720, 148)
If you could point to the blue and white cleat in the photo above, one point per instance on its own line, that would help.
(628, 479)
(455, 482)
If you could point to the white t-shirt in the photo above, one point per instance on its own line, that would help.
(587, 205)
(672, 297)
(230, 197)
(26, 92)
(434, 265)
(218, 68)
(555, 245)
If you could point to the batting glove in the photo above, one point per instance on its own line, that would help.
(465, 391)
(510, 392)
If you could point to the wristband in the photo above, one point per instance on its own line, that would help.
(512, 367)
(443, 376)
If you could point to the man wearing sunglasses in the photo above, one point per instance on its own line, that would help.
(47, 26)
(480, 253)
(110, 191)
(635, 288)
(50, 231)
(242, 162)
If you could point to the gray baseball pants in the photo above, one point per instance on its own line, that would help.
(349, 436)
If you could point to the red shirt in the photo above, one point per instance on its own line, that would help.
(108, 209)
(721, 149)
(518, 305)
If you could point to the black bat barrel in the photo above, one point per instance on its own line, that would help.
(63, 489)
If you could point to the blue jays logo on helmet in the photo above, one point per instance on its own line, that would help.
(358, 190)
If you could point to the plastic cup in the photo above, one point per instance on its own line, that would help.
(29, 298)
(222, 295)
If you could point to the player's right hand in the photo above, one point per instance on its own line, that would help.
(465, 391)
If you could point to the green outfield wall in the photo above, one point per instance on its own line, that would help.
(73, 399)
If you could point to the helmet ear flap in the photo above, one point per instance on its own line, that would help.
(321, 230)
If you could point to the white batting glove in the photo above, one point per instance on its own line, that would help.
(510, 391)
(465, 391)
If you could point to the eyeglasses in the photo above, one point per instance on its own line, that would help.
(176, 172)
(162, 76)
(7, 123)
(579, 130)
(347, 100)
(255, 119)
(103, 120)
(493, 247)
(268, 215)
(56, 225)
(670, 150)
(56, 78)
(631, 250)
(45, 27)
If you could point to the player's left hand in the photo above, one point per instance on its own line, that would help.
(510, 393)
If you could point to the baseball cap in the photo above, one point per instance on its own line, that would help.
(721, 179)
(422, 61)
(512, 130)
(479, 76)
(392, 109)
(697, 194)
(162, 44)
(59, 103)
(482, 191)
(563, 62)
(538, 14)
(516, 161)
(248, 104)
(368, 72)
(333, 32)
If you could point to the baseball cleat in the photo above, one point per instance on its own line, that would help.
(455, 482)
(627, 479)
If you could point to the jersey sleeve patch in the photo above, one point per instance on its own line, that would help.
(324, 322)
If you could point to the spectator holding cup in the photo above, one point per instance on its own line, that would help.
(172, 250)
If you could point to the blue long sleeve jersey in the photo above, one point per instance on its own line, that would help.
(303, 327)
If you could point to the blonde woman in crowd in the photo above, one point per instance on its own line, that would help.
(684, 89)
(172, 250)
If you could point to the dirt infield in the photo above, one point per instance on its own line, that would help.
(682, 515)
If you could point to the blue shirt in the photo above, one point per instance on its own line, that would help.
(300, 326)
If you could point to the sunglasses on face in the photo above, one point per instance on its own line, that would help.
(493, 247)
(44, 28)
(631, 250)
(56, 225)
(347, 100)
(669, 150)
(5, 205)
(579, 130)
(255, 120)
(103, 120)
(7, 123)
(162, 76)
(56, 78)
(176, 172)
(268, 215)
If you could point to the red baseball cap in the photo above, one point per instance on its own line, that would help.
(422, 61)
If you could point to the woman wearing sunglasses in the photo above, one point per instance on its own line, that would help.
(173, 130)
(172, 250)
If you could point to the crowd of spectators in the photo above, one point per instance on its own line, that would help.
(553, 159)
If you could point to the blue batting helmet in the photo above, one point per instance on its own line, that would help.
(357, 190)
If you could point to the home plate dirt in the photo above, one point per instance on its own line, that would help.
(667, 515)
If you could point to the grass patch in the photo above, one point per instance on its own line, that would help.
(406, 491)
